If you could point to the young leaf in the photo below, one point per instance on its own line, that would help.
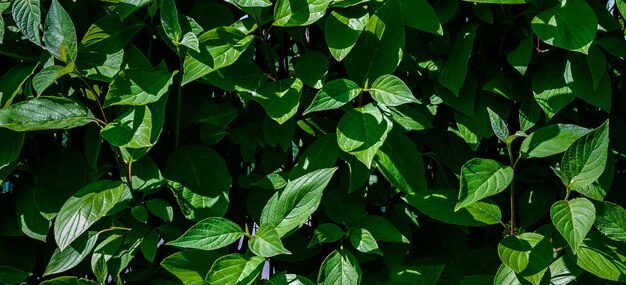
(363, 241)
(138, 87)
(362, 131)
(86, 207)
(584, 161)
(551, 140)
(60, 35)
(63, 260)
(527, 254)
(498, 126)
(235, 269)
(291, 207)
(44, 113)
(573, 219)
(266, 242)
(339, 268)
(291, 13)
(343, 28)
(333, 95)
(27, 16)
(391, 91)
(169, 21)
(611, 220)
(481, 178)
(209, 234)
(326, 233)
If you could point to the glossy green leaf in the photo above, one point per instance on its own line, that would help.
(498, 125)
(550, 89)
(440, 205)
(63, 260)
(363, 241)
(204, 181)
(161, 209)
(132, 128)
(289, 208)
(420, 15)
(391, 91)
(280, 99)
(333, 95)
(47, 76)
(453, 74)
(326, 233)
(339, 268)
(235, 269)
(266, 242)
(564, 271)
(60, 36)
(289, 279)
(573, 219)
(127, 7)
(190, 266)
(169, 20)
(109, 34)
(379, 48)
(27, 16)
(290, 13)
(12, 82)
(602, 257)
(312, 68)
(520, 57)
(584, 161)
(611, 220)
(86, 207)
(551, 140)
(140, 213)
(209, 234)
(191, 41)
(219, 48)
(362, 131)
(343, 28)
(527, 254)
(253, 3)
(561, 26)
(138, 87)
(506, 275)
(401, 164)
(481, 178)
(60, 113)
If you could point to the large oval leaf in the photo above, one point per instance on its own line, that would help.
(333, 95)
(290, 13)
(27, 16)
(83, 209)
(551, 140)
(573, 219)
(401, 164)
(391, 91)
(209, 234)
(611, 220)
(190, 266)
(339, 268)
(44, 113)
(481, 178)
(280, 99)
(527, 254)
(60, 35)
(562, 26)
(343, 28)
(63, 260)
(602, 257)
(138, 87)
(584, 161)
(420, 15)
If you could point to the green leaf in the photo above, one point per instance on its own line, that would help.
(219, 47)
(343, 28)
(60, 35)
(190, 40)
(243, 75)
(27, 16)
(291, 13)
(561, 26)
(573, 219)
(86, 207)
(584, 161)
(611, 220)
(10, 275)
(235, 269)
(63, 260)
(507, 2)
(69, 280)
(506, 275)
(146, 176)
(161, 209)
(401, 164)
(253, 3)
(339, 268)
(49, 75)
(12, 82)
(391, 91)
(382, 229)
(289, 279)
(280, 99)
(266, 242)
(453, 74)
(127, 7)
(520, 57)
(420, 15)
(322, 153)
(363, 241)
(602, 257)
(289, 208)
(527, 254)
(312, 68)
(204, 181)
(30, 220)
(190, 266)
(481, 178)
(149, 245)
(10, 146)
(440, 205)
(140, 213)
(138, 87)
(326, 233)
(169, 20)
(410, 118)
(362, 131)
(132, 128)
(109, 35)
(209, 234)
(551, 140)
(333, 95)
(550, 89)
(60, 113)
(498, 125)
(379, 48)
(564, 271)
(579, 79)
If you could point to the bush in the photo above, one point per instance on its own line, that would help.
(327, 141)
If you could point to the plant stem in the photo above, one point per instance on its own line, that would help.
(112, 228)
(263, 37)
(512, 192)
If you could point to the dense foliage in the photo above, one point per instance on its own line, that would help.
(312, 141)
